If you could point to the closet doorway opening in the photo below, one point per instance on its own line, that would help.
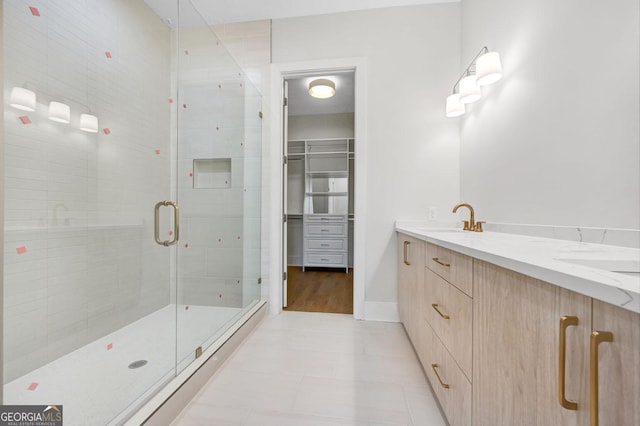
(318, 193)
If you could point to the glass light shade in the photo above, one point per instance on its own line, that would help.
(59, 112)
(89, 123)
(488, 68)
(455, 108)
(469, 90)
(23, 99)
(322, 88)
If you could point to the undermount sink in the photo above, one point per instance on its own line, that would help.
(612, 265)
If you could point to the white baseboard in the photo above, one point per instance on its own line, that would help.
(381, 311)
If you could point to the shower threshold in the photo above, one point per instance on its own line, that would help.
(94, 383)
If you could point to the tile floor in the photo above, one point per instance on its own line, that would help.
(301, 368)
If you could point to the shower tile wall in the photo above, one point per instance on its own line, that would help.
(219, 254)
(80, 261)
(250, 45)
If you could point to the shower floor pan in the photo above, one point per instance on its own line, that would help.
(95, 384)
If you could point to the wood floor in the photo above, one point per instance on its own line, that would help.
(319, 290)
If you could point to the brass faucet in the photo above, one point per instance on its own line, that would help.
(471, 224)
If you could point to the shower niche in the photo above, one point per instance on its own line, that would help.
(212, 173)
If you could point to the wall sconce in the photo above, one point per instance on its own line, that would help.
(22, 99)
(483, 70)
(89, 123)
(322, 88)
(59, 112)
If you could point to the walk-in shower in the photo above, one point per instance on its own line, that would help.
(132, 231)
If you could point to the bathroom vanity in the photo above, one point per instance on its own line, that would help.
(514, 329)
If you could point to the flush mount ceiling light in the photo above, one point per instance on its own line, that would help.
(23, 99)
(483, 70)
(89, 123)
(59, 112)
(322, 88)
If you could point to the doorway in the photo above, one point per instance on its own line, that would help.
(318, 193)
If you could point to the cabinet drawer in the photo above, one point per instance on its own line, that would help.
(325, 219)
(449, 312)
(324, 230)
(452, 266)
(326, 259)
(450, 385)
(335, 244)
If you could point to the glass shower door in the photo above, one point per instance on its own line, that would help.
(99, 312)
(89, 316)
(218, 178)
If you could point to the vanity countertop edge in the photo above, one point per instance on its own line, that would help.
(541, 258)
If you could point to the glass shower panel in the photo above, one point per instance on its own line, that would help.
(89, 318)
(218, 188)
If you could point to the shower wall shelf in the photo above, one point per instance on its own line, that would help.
(212, 173)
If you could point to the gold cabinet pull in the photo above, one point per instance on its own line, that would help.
(439, 262)
(176, 223)
(565, 322)
(435, 306)
(443, 384)
(406, 253)
(597, 337)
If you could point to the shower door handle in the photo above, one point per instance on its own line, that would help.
(176, 223)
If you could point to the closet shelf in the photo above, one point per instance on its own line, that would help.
(330, 174)
(328, 194)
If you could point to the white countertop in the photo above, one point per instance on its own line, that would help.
(541, 258)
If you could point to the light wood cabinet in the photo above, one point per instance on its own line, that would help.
(454, 267)
(449, 311)
(520, 351)
(410, 283)
(517, 354)
(516, 326)
(442, 340)
(618, 372)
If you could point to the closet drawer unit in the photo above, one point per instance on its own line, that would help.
(449, 312)
(337, 260)
(336, 230)
(333, 244)
(454, 267)
(325, 219)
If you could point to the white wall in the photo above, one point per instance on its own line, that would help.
(412, 57)
(556, 141)
(321, 126)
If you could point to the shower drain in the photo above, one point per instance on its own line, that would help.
(137, 364)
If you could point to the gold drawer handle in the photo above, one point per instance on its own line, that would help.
(406, 253)
(444, 385)
(438, 261)
(597, 337)
(435, 306)
(565, 322)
